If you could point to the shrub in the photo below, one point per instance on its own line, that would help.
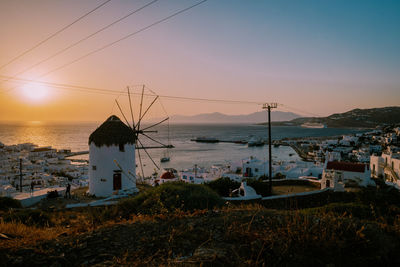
(223, 186)
(279, 176)
(262, 188)
(9, 203)
(52, 194)
(29, 217)
(170, 197)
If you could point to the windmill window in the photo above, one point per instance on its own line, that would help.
(94, 167)
(121, 148)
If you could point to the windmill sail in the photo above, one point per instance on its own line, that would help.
(139, 133)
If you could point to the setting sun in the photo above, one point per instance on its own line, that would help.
(35, 93)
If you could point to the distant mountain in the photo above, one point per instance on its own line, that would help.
(363, 118)
(216, 117)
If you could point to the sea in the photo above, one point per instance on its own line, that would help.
(185, 153)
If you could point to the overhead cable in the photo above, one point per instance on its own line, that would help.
(53, 35)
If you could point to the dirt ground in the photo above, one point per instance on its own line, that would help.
(291, 189)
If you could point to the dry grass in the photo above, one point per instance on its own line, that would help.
(291, 189)
(23, 235)
(245, 235)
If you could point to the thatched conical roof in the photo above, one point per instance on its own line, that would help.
(112, 132)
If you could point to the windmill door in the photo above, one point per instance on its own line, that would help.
(117, 185)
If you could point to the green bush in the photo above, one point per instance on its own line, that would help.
(9, 203)
(29, 217)
(279, 176)
(261, 187)
(170, 197)
(223, 186)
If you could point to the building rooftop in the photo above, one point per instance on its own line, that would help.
(345, 166)
(112, 132)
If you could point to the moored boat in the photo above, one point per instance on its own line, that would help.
(314, 125)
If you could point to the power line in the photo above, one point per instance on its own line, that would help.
(123, 38)
(115, 92)
(83, 39)
(301, 111)
(53, 35)
(119, 40)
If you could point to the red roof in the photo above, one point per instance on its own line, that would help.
(167, 175)
(345, 166)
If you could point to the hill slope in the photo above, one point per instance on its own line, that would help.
(364, 118)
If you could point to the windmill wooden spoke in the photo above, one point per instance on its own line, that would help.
(140, 110)
(152, 139)
(156, 124)
(120, 109)
(156, 147)
(141, 165)
(140, 119)
(129, 175)
(148, 155)
(130, 106)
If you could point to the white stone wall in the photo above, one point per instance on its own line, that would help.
(101, 179)
(335, 180)
(377, 161)
(362, 178)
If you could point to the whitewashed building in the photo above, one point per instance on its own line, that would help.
(253, 167)
(386, 166)
(338, 175)
(112, 158)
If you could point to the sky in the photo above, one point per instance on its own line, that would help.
(314, 58)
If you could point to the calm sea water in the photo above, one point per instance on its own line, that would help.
(185, 154)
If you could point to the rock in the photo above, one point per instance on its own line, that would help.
(3, 236)
(62, 234)
(211, 254)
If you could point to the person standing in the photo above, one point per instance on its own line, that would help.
(32, 187)
(68, 191)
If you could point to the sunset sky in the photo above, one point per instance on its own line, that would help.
(314, 57)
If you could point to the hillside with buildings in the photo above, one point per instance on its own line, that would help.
(361, 118)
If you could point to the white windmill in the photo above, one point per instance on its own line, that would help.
(112, 147)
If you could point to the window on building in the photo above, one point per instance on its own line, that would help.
(94, 167)
(121, 148)
(256, 170)
(184, 177)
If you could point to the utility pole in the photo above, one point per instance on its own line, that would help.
(270, 106)
(20, 175)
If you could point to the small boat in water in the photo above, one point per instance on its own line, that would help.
(166, 157)
(314, 125)
(255, 142)
(205, 140)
